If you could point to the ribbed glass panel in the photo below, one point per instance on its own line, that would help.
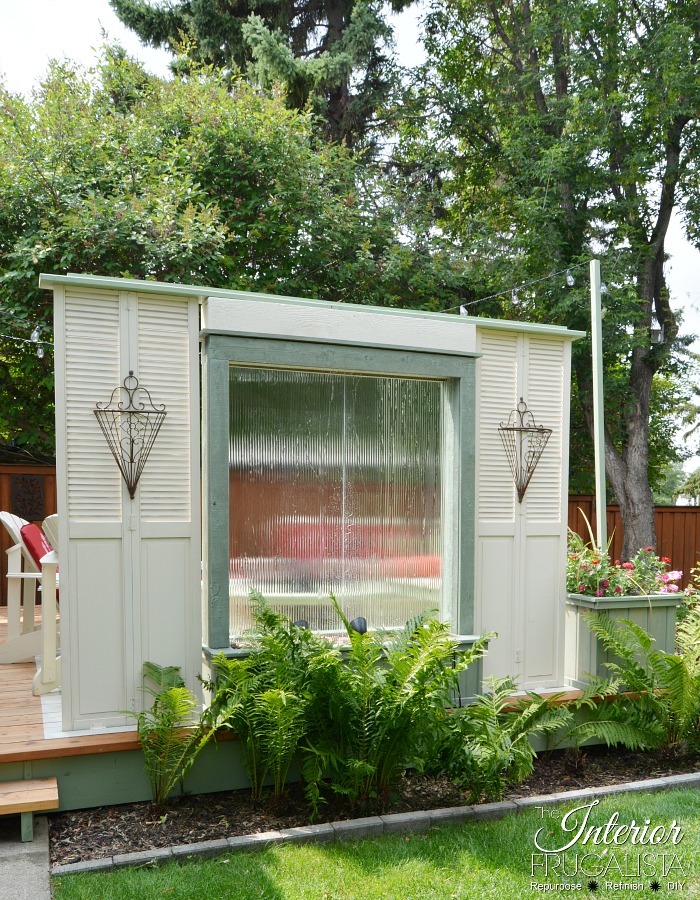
(335, 486)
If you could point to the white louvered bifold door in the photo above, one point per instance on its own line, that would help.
(496, 548)
(520, 546)
(130, 583)
(543, 535)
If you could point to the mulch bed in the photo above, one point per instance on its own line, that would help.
(96, 833)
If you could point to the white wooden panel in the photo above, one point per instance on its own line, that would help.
(164, 369)
(336, 322)
(545, 398)
(494, 588)
(165, 587)
(543, 613)
(91, 374)
(98, 628)
(496, 397)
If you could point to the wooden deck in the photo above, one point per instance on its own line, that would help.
(22, 729)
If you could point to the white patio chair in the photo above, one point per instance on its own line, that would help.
(31, 563)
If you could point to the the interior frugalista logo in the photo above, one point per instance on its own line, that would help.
(574, 853)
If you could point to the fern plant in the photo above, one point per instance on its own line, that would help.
(263, 698)
(487, 745)
(384, 713)
(170, 734)
(666, 686)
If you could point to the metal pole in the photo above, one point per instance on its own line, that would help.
(598, 407)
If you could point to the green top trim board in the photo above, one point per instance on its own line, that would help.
(48, 281)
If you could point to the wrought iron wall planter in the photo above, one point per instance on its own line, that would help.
(524, 442)
(130, 427)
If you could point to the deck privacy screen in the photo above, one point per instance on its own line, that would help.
(335, 485)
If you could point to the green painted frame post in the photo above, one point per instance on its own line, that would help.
(215, 524)
(457, 370)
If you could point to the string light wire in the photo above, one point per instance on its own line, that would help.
(513, 291)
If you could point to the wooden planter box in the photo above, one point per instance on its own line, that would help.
(585, 655)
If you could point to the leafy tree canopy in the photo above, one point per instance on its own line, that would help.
(573, 131)
(329, 53)
(191, 180)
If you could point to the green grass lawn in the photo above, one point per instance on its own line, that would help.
(474, 860)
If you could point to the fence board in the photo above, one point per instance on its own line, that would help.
(677, 530)
(29, 492)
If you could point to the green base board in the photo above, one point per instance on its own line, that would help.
(108, 779)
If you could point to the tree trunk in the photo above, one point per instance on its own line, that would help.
(628, 471)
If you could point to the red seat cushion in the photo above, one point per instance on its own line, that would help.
(35, 541)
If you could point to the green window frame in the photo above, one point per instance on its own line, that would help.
(455, 370)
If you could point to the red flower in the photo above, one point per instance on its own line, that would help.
(649, 549)
(666, 560)
(618, 589)
(628, 565)
(605, 584)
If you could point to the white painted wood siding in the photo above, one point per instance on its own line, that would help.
(520, 547)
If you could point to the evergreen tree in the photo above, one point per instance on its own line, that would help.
(330, 53)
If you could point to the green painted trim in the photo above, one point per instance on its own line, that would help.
(625, 601)
(221, 351)
(47, 281)
(215, 477)
(334, 357)
(467, 496)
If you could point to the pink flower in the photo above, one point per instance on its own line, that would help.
(599, 593)
(628, 565)
(648, 549)
(672, 588)
(618, 589)
(605, 584)
(675, 575)
(663, 590)
(665, 577)
(617, 562)
(582, 589)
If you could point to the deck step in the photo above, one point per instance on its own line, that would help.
(27, 797)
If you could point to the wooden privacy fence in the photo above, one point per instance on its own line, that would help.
(677, 530)
(29, 492)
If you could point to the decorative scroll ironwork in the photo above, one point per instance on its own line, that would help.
(130, 428)
(524, 442)
(27, 497)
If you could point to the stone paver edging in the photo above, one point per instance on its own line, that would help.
(372, 826)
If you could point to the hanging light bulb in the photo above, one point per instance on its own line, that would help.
(514, 297)
(463, 311)
(570, 278)
(34, 336)
(40, 351)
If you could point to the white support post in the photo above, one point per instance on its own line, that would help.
(598, 405)
(49, 675)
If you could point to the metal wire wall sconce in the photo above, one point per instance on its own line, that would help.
(130, 428)
(524, 442)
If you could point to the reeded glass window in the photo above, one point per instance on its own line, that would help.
(335, 486)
